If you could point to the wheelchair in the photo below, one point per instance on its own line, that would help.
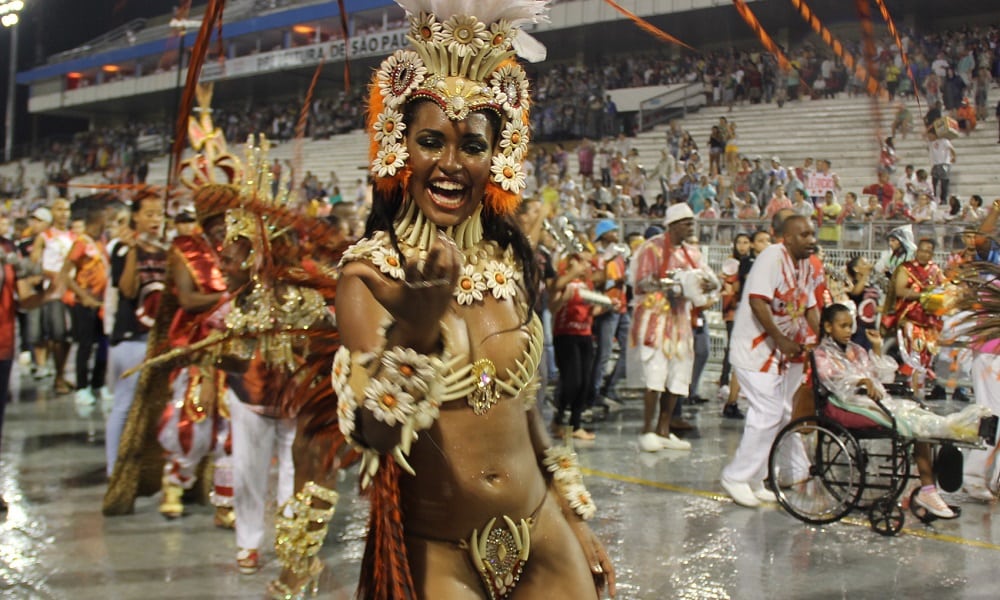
(847, 463)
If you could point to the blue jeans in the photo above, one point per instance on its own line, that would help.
(548, 354)
(700, 358)
(621, 335)
(604, 328)
(124, 356)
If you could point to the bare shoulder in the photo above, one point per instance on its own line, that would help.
(359, 315)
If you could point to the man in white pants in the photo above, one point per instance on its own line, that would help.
(661, 326)
(771, 333)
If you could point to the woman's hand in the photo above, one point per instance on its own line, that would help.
(870, 389)
(875, 339)
(597, 557)
(418, 302)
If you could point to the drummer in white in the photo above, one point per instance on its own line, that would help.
(670, 276)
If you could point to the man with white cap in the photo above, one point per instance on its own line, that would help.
(670, 276)
(773, 328)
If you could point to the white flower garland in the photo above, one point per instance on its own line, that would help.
(568, 480)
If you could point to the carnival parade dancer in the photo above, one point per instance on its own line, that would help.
(918, 327)
(671, 276)
(981, 474)
(195, 423)
(436, 375)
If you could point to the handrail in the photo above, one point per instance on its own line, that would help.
(658, 109)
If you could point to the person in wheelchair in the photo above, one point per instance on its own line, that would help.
(854, 378)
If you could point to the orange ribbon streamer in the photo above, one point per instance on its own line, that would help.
(899, 44)
(647, 26)
(758, 29)
(865, 74)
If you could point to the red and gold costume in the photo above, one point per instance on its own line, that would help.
(919, 327)
(195, 421)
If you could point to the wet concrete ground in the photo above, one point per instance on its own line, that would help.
(667, 526)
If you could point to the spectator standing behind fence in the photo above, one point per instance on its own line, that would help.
(50, 250)
(943, 157)
(85, 274)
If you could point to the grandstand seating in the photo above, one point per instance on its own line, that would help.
(841, 130)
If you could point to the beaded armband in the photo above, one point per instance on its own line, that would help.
(400, 386)
(568, 480)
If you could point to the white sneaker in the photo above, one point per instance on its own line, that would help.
(741, 493)
(934, 504)
(107, 400)
(672, 442)
(84, 397)
(723, 394)
(650, 442)
(24, 358)
(764, 495)
(978, 491)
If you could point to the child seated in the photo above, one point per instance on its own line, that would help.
(853, 377)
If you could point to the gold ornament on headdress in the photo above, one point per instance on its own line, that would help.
(257, 185)
(461, 57)
(212, 162)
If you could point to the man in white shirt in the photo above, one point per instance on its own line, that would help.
(771, 333)
(943, 156)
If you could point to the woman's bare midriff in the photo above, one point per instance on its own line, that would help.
(471, 468)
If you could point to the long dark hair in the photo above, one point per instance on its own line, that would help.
(502, 229)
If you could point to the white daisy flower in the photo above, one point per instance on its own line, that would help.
(508, 173)
(501, 280)
(580, 501)
(427, 28)
(408, 369)
(465, 35)
(501, 33)
(389, 126)
(388, 402)
(399, 75)
(470, 286)
(389, 159)
(515, 137)
(345, 414)
(341, 369)
(563, 466)
(427, 411)
(512, 83)
(387, 261)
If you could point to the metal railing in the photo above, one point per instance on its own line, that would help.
(670, 104)
(850, 235)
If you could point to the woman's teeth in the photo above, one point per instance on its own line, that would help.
(447, 194)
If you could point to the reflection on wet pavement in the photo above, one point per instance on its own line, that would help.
(668, 528)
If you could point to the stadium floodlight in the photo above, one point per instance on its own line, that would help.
(9, 19)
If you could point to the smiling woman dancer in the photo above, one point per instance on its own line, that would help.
(436, 374)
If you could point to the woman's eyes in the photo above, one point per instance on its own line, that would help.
(433, 143)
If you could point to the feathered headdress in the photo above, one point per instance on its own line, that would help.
(461, 57)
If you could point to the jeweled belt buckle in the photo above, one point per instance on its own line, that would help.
(487, 393)
(500, 554)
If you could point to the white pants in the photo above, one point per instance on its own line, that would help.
(981, 466)
(770, 397)
(664, 374)
(256, 439)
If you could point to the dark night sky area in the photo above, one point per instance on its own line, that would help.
(51, 26)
